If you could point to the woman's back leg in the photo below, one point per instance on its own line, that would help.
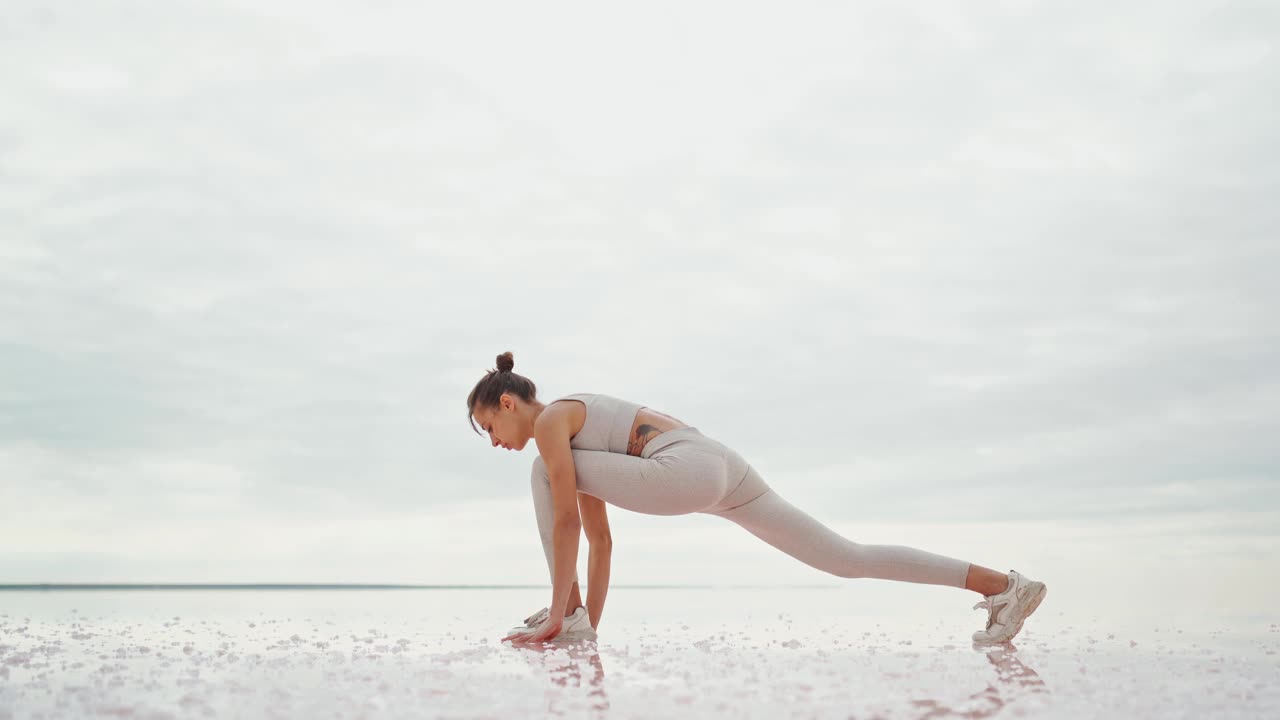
(793, 531)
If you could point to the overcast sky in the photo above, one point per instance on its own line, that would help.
(997, 280)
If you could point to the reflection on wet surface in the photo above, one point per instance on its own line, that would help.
(675, 652)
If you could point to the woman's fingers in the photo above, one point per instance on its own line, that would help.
(543, 632)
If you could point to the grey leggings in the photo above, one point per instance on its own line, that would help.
(683, 471)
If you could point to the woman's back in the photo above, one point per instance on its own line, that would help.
(613, 424)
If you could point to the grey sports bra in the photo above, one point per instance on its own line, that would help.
(608, 423)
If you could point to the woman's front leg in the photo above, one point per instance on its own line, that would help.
(575, 600)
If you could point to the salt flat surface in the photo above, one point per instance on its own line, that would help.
(680, 652)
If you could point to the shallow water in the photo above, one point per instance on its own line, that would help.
(689, 652)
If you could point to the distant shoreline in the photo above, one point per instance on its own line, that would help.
(60, 587)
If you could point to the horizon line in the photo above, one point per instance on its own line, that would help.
(358, 586)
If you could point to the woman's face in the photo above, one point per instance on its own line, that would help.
(503, 424)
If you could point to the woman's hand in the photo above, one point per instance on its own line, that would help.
(548, 629)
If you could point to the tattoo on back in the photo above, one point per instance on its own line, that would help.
(642, 435)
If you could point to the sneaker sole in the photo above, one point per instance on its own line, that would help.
(1032, 603)
(1031, 607)
(572, 635)
(588, 634)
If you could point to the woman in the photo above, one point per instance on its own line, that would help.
(596, 449)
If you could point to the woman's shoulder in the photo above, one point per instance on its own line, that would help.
(597, 398)
(584, 397)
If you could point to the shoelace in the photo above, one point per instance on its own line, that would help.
(991, 613)
(537, 618)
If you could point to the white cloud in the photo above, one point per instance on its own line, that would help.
(904, 259)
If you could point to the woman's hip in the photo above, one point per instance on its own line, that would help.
(678, 472)
(697, 458)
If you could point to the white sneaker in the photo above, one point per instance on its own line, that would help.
(531, 622)
(576, 626)
(1008, 609)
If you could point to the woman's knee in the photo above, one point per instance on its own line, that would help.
(538, 473)
(850, 572)
(857, 561)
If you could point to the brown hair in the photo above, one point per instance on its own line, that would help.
(489, 390)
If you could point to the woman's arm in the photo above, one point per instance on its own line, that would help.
(551, 433)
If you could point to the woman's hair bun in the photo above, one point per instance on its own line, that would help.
(506, 361)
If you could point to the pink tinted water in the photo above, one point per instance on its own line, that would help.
(766, 653)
